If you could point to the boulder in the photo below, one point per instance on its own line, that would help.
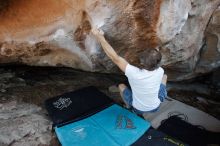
(183, 54)
(48, 33)
(210, 52)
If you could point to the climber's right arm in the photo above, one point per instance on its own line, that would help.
(118, 60)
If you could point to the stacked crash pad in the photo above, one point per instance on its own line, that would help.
(88, 117)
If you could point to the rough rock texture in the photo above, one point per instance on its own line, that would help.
(48, 33)
(23, 125)
(184, 51)
(210, 53)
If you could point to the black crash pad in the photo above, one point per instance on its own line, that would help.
(63, 109)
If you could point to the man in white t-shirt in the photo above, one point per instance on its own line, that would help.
(148, 82)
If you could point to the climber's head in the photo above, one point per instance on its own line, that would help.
(150, 59)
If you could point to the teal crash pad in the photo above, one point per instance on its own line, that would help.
(114, 126)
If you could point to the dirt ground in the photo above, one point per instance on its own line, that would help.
(36, 84)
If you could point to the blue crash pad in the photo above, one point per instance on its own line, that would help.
(114, 126)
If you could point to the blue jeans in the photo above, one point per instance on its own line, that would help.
(127, 97)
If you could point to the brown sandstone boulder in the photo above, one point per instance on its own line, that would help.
(58, 33)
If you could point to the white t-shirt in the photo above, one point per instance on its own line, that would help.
(145, 86)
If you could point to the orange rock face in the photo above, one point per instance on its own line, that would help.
(20, 18)
(28, 24)
(66, 25)
(58, 33)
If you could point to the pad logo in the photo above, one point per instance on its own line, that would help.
(62, 103)
(123, 122)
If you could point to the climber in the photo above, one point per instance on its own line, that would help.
(148, 82)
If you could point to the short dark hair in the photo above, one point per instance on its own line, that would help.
(150, 59)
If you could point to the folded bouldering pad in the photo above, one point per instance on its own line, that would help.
(88, 117)
(114, 126)
(76, 105)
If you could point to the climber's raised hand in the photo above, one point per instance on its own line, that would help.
(97, 32)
